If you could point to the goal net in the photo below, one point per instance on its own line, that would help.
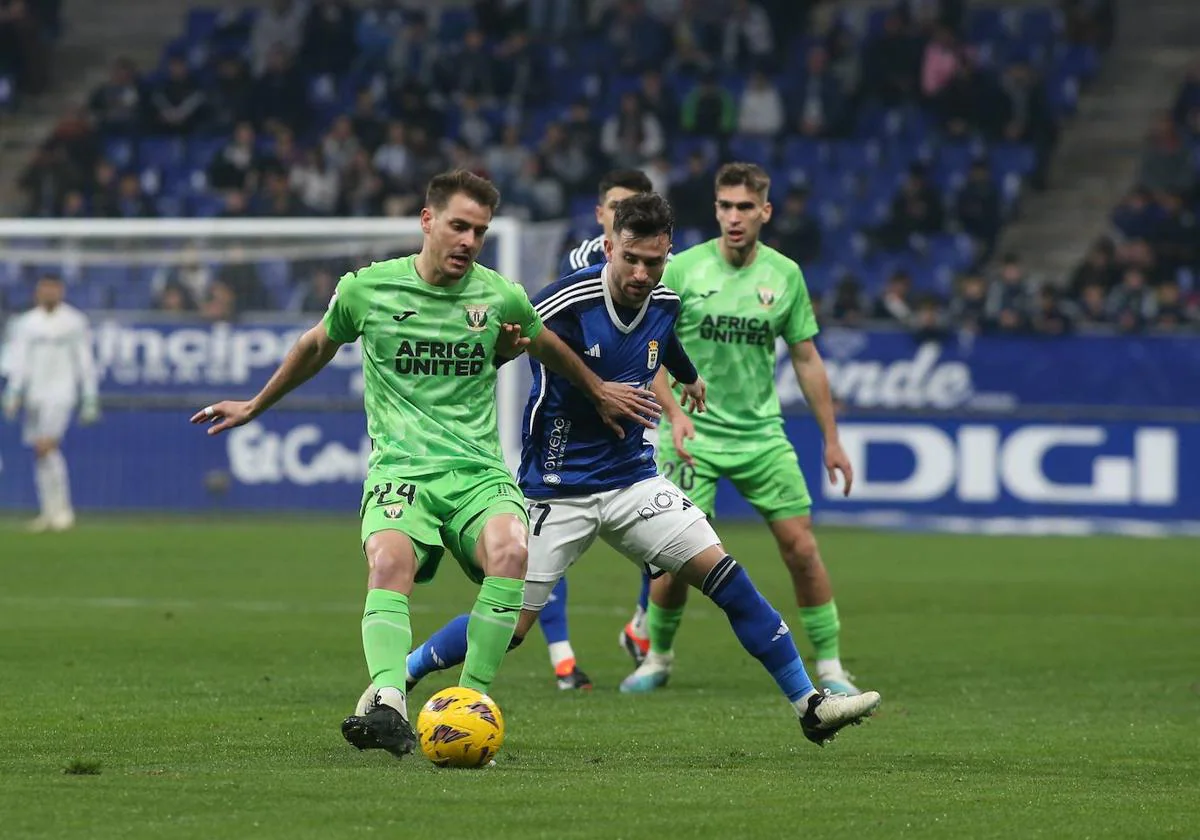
(185, 312)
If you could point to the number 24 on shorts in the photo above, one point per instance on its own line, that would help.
(383, 493)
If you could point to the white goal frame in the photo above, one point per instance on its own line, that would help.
(504, 230)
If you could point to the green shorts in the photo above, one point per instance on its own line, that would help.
(440, 512)
(768, 476)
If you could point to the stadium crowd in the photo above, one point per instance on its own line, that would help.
(27, 30)
(322, 108)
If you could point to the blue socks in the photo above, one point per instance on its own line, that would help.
(758, 626)
(644, 595)
(444, 649)
(553, 616)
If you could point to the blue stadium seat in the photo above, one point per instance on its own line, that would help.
(201, 23)
(161, 152)
(120, 151)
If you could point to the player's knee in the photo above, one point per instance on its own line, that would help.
(389, 566)
(508, 561)
(799, 549)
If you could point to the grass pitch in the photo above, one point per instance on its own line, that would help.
(186, 679)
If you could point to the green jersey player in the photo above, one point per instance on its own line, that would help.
(738, 297)
(429, 326)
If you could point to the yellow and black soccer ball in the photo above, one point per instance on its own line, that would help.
(460, 727)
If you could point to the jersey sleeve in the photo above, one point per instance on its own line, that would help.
(347, 310)
(14, 357)
(801, 324)
(85, 362)
(519, 310)
(678, 363)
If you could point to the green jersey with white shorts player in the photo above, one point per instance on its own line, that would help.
(436, 470)
(729, 323)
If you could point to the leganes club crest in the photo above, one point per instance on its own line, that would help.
(476, 316)
(766, 297)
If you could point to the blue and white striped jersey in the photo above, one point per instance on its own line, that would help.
(566, 450)
(586, 253)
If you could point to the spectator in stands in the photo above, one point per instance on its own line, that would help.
(535, 195)
(793, 231)
(280, 95)
(132, 202)
(237, 205)
(1138, 253)
(691, 196)
(1174, 235)
(177, 105)
(220, 303)
(1097, 269)
(415, 55)
(1187, 104)
(103, 190)
(1135, 215)
(23, 49)
(74, 206)
(709, 110)
(638, 41)
(658, 100)
(470, 70)
(943, 59)
(175, 299)
(845, 62)
(280, 24)
(318, 290)
(847, 304)
(116, 106)
(659, 170)
(505, 160)
(968, 308)
(1050, 316)
(1132, 304)
(236, 166)
(749, 37)
(692, 39)
(328, 45)
(551, 18)
(276, 198)
(525, 78)
(1172, 312)
(340, 144)
(240, 275)
(632, 135)
(977, 209)
(760, 113)
(929, 321)
(474, 129)
(566, 160)
(1092, 310)
(1008, 302)
(896, 302)
(893, 62)
(819, 105)
(319, 186)
(1027, 117)
(231, 98)
(427, 157)
(1166, 165)
(916, 209)
(392, 159)
(968, 104)
(364, 189)
(410, 102)
(367, 126)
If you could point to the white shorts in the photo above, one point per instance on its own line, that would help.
(652, 523)
(46, 419)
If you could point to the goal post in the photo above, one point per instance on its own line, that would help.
(154, 360)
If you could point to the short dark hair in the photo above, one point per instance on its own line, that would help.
(749, 175)
(644, 216)
(446, 185)
(630, 179)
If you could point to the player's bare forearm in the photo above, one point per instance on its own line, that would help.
(662, 393)
(553, 352)
(311, 352)
(814, 383)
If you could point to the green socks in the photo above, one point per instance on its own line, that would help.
(387, 636)
(490, 630)
(822, 627)
(663, 624)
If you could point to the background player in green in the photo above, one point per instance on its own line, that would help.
(429, 325)
(738, 296)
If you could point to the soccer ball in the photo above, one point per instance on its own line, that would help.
(459, 727)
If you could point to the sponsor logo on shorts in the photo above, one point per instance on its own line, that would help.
(553, 479)
(663, 501)
(476, 316)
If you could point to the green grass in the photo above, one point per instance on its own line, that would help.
(186, 679)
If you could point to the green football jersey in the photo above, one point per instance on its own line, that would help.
(428, 377)
(728, 324)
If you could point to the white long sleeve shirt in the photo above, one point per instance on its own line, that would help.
(49, 356)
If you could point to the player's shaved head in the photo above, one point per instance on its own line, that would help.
(445, 186)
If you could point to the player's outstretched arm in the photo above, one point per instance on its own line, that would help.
(814, 382)
(682, 427)
(308, 355)
(614, 401)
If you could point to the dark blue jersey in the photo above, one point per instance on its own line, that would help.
(566, 450)
(587, 253)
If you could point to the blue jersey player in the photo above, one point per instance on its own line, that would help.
(615, 187)
(583, 481)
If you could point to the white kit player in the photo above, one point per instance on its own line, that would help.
(51, 372)
(583, 482)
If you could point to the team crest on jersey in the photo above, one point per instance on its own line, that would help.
(766, 297)
(393, 512)
(651, 355)
(476, 317)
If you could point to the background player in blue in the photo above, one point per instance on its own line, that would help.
(582, 482)
(615, 187)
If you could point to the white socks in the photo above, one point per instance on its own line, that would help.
(394, 697)
(828, 669)
(53, 486)
(560, 652)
